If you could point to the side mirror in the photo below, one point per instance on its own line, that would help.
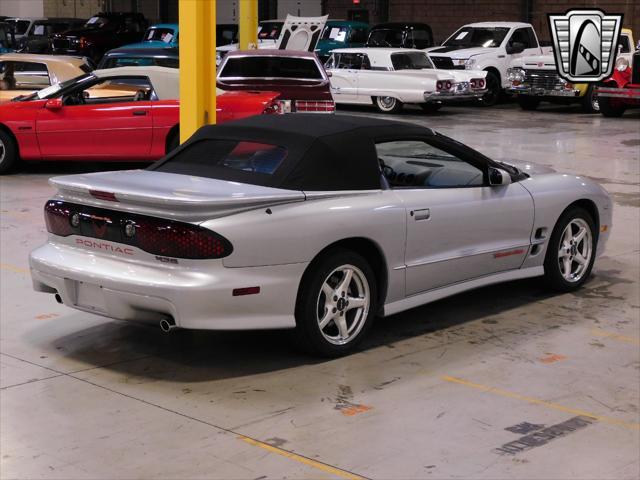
(53, 104)
(515, 47)
(498, 177)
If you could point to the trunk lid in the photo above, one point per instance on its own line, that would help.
(168, 195)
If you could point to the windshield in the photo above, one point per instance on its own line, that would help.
(165, 35)
(50, 92)
(269, 30)
(487, 37)
(271, 67)
(20, 27)
(410, 61)
(386, 38)
(96, 22)
(337, 34)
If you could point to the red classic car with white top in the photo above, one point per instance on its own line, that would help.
(622, 89)
(119, 114)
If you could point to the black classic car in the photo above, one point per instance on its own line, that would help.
(401, 35)
(100, 33)
(37, 39)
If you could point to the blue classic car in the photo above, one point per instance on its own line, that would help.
(162, 35)
(341, 34)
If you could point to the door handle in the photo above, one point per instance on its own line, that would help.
(139, 113)
(422, 214)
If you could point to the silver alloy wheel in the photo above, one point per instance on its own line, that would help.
(343, 304)
(387, 103)
(3, 151)
(575, 250)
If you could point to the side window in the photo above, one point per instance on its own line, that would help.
(533, 41)
(417, 164)
(418, 38)
(520, 36)
(624, 46)
(112, 90)
(332, 61)
(366, 63)
(351, 61)
(23, 76)
(358, 35)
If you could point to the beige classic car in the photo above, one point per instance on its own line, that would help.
(24, 73)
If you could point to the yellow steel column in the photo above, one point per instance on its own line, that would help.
(197, 65)
(248, 24)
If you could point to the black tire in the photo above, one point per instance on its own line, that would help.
(528, 103)
(494, 89)
(310, 304)
(552, 270)
(8, 153)
(590, 103)
(609, 110)
(173, 141)
(388, 104)
(430, 107)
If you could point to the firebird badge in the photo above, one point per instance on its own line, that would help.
(584, 44)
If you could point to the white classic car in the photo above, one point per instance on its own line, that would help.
(391, 77)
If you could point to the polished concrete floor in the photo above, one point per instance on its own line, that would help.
(504, 382)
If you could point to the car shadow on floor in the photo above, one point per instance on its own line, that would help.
(195, 356)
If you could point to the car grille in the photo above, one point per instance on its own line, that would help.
(635, 77)
(546, 79)
(443, 62)
(62, 43)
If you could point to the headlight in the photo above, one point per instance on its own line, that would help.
(515, 75)
(622, 64)
(469, 63)
(460, 61)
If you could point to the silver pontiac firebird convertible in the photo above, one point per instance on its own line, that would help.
(311, 223)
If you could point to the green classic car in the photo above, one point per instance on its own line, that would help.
(341, 34)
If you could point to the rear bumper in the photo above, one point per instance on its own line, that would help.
(453, 97)
(543, 92)
(631, 94)
(196, 295)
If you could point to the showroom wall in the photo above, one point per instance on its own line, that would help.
(21, 8)
(445, 16)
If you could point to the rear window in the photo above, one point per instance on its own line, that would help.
(20, 26)
(207, 158)
(271, 67)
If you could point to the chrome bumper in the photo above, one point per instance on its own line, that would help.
(543, 92)
(453, 96)
(626, 93)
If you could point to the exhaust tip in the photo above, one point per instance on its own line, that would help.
(166, 325)
(58, 298)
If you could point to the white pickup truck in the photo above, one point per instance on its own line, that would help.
(489, 46)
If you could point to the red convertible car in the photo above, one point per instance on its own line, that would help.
(119, 114)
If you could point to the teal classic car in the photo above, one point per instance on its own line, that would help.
(161, 35)
(341, 34)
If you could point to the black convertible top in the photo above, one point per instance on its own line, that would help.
(324, 152)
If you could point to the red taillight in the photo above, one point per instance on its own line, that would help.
(158, 236)
(169, 238)
(83, 42)
(321, 106)
(478, 83)
(444, 85)
(100, 195)
(57, 216)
